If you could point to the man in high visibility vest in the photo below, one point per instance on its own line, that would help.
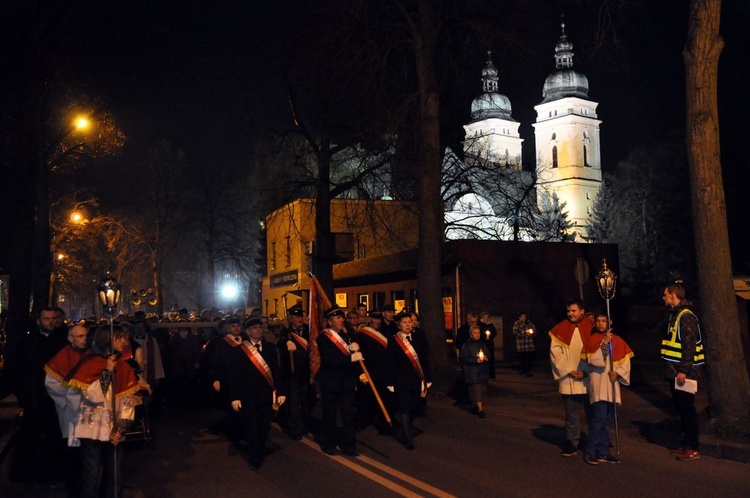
(682, 352)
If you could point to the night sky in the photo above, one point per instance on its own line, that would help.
(205, 75)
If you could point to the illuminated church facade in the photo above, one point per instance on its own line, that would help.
(568, 157)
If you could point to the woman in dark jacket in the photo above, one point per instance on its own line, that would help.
(475, 356)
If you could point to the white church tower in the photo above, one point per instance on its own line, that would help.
(567, 139)
(492, 135)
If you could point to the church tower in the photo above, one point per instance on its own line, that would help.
(568, 153)
(492, 135)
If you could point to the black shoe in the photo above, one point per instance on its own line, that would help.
(474, 410)
(591, 460)
(255, 465)
(608, 458)
(330, 451)
(350, 453)
(569, 450)
(409, 445)
(481, 414)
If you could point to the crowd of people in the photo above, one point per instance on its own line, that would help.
(82, 385)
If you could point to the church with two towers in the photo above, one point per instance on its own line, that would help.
(494, 189)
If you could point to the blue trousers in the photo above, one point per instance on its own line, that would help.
(601, 421)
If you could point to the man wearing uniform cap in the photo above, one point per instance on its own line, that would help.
(389, 326)
(410, 373)
(256, 388)
(221, 356)
(337, 377)
(294, 351)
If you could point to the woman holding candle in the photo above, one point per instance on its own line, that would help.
(475, 357)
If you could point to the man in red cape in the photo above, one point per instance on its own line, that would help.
(568, 357)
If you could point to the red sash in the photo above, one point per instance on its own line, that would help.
(301, 341)
(259, 362)
(337, 341)
(410, 353)
(562, 333)
(60, 364)
(230, 340)
(375, 335)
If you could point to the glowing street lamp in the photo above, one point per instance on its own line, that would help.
(81, 123)
(109, 295)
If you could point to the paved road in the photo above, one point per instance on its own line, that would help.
(512, 453)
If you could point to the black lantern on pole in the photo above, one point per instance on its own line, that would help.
(606, 281)
(109, 295)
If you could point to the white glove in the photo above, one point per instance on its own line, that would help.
(280, 400)
(363, 378)
(429, 385)
(217, 386)
(236, 405)
(290, 346)
(357, 356)
(390, 388)
(354, 347)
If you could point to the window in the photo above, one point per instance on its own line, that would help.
(273, 255)
(585, 156)
(288, 252)
(554, 156)
(554, 136)
(378, 300)
(588, 196)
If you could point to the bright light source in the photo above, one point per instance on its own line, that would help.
(81, 123)
(60, 256)
(76, 217)
(230, 291)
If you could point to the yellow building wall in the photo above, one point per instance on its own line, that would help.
(377, 228)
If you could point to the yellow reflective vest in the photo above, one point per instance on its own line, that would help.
(671, 346)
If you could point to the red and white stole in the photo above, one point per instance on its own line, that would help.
(229, 339)
(338, 341)
(410, 353)
(255, 357)
(374, 334)
(299, 340)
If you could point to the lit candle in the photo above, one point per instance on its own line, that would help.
(487, 333)
(480, 356)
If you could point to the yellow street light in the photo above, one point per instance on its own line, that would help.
(81, 123)
(77, 217)
(60, 256)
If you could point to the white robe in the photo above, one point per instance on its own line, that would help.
(600, 387)
(67, 401)
(566, 359)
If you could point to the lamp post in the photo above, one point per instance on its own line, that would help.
(606, 282)
(109, 296)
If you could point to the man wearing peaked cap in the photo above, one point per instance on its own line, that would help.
(334, 310)
(388, 326)
(251, 322)
(338, 376)
(294, 347)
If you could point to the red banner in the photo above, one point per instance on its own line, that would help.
(319, 302)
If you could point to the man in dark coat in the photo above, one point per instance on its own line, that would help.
(221, 357)
(294, 351)
(256, 388)
(337, 377)
(374, 347)
(40, 444)
(410, 373)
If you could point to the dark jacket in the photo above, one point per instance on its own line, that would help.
(404, 376)
(248, 384)
(337, 372)
(475, 372)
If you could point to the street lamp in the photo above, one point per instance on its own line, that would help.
(109, 295)
(81, 123)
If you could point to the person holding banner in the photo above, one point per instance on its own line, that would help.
(256, 388)
(294, 349)
(374, 346)
(410, 374)
(337, 376)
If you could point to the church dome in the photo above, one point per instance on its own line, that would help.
(565, 82)
(490, 104)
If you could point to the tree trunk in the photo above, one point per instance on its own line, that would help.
(729, 384)
(324, 244)
(429, 285)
